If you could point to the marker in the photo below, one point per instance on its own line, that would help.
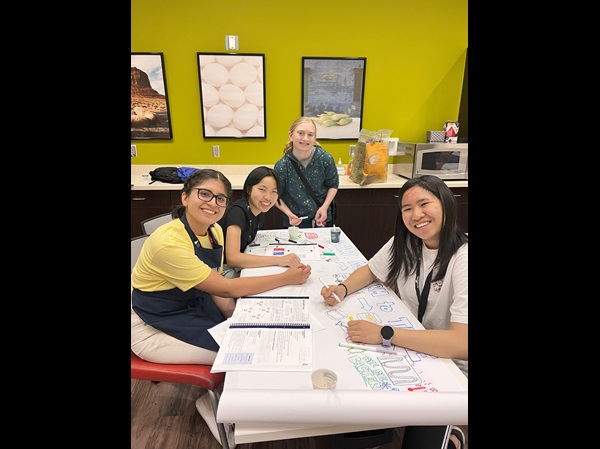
(299, 244)
(255, 244)
(329, 254)
(301, 218)
(293, 241)
(277, 240)
(368, 348)
(327, 286)
(321, 246)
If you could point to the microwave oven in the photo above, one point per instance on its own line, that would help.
(444, 160)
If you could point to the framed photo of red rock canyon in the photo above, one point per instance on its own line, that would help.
(150, 118)
(232, 95)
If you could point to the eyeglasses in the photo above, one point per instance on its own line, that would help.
(207, 195)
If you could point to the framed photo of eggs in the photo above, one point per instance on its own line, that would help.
(150, 118)
(332, 95)
(232, 95)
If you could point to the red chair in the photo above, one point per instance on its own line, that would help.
(199, 375)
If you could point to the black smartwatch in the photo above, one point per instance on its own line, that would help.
(387, 332)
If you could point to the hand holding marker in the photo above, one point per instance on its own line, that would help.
(327, 286)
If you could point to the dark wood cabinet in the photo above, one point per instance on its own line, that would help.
(384, 210)
(353, 211)
(148, 203)
(367, 216)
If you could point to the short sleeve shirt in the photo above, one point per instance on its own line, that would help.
(168, 260)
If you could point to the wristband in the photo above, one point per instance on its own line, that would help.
(345, 288)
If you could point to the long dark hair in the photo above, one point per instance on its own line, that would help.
(255, 176)
(197, 178)
(406, 247)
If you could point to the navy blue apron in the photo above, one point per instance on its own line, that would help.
(188, 315)
(253, 223)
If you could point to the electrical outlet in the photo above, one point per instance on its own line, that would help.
(216, 151)
(352, 149)
(133, 150)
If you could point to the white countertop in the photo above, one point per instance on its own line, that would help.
(237, 176)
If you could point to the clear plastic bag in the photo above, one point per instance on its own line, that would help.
(371, 157)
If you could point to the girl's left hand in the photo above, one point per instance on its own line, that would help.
(363, 331)
(321, 216)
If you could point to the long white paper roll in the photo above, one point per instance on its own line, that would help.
(353, 407)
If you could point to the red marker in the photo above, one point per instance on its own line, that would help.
(321, 246)
(416, 388)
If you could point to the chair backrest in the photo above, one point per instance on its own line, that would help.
(149, 225)
(136, 247)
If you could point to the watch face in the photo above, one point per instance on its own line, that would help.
(387, 332)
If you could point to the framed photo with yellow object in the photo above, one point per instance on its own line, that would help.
(332, 95)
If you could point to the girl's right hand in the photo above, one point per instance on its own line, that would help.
(295, 220)
(289, 260)
(327, 294)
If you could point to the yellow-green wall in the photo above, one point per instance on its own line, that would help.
(415, 52)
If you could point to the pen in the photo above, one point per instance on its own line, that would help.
(327, 286)
(368, 348)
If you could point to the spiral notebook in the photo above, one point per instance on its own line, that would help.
(267, 333)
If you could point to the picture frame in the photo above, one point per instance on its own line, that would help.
(332, 95)
(232, 95)
(150, 116)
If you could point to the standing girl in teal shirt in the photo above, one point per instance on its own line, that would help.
(318, 167)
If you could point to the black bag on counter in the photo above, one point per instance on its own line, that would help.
(165, 174)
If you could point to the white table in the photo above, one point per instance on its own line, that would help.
(374, 390)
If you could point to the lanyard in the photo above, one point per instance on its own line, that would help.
(422, 298)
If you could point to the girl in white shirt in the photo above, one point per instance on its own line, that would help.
(426, 264)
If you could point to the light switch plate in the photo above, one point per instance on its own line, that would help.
(393, 146)
(231, 42)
